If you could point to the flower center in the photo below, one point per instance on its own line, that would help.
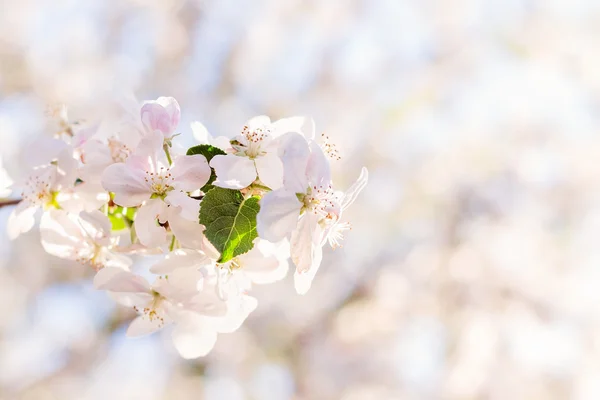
(160, 182)
(254, 139)
(330, 148)
(152, 311)
(321, 201)
(118, 150)
(38, 192)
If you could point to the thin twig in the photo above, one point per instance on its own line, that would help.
(13, 202)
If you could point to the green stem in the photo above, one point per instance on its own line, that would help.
(167, 153)
(172, 246)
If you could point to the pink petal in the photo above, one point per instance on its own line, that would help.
(190, 172)
(161, 115)
(127, 183)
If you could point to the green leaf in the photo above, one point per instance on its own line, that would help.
(117, 221)
(209, 152)
(230, 221)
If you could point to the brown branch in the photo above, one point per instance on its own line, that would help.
(12, 202)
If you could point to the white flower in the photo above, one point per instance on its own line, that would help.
(183, 297)
(114, 140)
(265, 263)
(255, 154)
(307, 209)
(85, 238)
(147, 179)
(53, 186)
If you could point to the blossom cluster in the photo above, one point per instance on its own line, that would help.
(219, 217)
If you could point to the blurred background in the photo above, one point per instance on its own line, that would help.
(473, 267)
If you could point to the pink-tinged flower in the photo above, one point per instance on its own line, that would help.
(161, 115)
(307, 209)
(147, 179)
(85, 238)
(54, 186)
(183, 297)
(113, 141)
(255, 154)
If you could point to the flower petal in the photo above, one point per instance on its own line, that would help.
(303, 280)
(294, 153)
(233, 172)
(270, 170)
(143, 325)
(267, 262)
(146, 223)
(304, 242)
(119, 280)
(189, 233)
(354, 190)
(317, 169)
(180, 258)
(127, 183)
(190, 172)
(278, 215)
(161, 115)
(21, 219)
(185, 205)
(194, 339)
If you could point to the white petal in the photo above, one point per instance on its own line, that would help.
(294, 153)
(146, 225)
(270, 170)
(233, 172)
(305, 240)
(194, 339)
(21, 219)
(86, 196)
(207, 302)
(190, 172)
(354, 190)
(182, 285)
(300, 125)
(180, 258)
(127, 183)
(144, 326)
(96, 224)
(238, 309)
(200, 132)
(258, 122)
(317, 168)
(119, 280)
(262, 266)
(189, 233)
(63, 236)
(115, 260)
(278, 215)
(185, 205)
(303, 280)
